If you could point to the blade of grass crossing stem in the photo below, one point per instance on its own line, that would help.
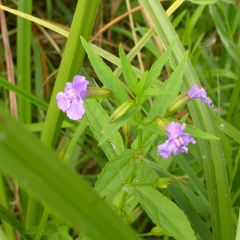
(71, 62)
(24, 35)
(212, 155)
(76, 202)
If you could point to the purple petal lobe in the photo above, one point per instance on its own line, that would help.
(164, 150)
(198, 92)
(71, 101)
(62, 101)
(80, 85)
(76, 110)
(174, 130)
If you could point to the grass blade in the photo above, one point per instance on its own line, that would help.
(24, 38)
(76, 202)
(215, 163)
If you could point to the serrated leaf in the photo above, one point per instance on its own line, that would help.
(115, 173)
(165, 213)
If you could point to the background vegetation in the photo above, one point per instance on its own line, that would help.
(101, 177)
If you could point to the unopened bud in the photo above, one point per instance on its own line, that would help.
(95, 92)
(178, 103)
(163, 182)
(162, 123)
(121, 110)
(156, 231)
(126, 129)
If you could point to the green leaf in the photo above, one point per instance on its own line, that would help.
(105, 74)
(97, 118)
(170, 90)
(56, 185)
(206, 2)
(115, 173)
(112, 127)
(196, 132)
(157, 67)
(128, 72)
(228, 129)
(165, 213)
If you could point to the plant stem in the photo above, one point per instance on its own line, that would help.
(24, 36)
(68, 68)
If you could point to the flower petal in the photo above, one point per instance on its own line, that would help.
(76, 110)
(80, 85)
(68, 87)
(198, 92)
(165, 150)
(62, 101)
(174, 130)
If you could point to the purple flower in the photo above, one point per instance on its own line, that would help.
(177, 141)
(198, 92)
(71, 100)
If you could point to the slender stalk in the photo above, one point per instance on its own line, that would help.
(70, 65)
(212, 155)
(24, 36)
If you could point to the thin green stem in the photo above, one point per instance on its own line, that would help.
(24, 36)
(80, 129)
(68, 68)
(42, 224)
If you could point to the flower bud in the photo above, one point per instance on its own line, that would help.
(163, 182)
(162, 123)
(95, 92)
(178, 103)
(121, 110)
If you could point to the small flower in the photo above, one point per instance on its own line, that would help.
(71, 100)
(198, 92)
(177, 141)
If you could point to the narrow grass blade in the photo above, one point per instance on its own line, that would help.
(24, 39)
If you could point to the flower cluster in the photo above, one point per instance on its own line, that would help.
(198, 92)
(177, 141)
(71, 100)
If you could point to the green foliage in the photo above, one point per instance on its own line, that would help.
(193, 195)
(164, 213)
